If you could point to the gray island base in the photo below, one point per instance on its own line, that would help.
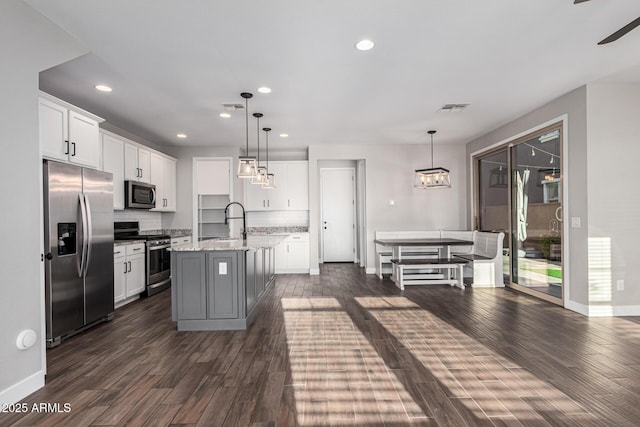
(217, 284)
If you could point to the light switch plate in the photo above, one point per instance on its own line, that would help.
(222, 268)
(575, 222)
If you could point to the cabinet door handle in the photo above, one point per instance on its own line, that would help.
(66, 147)
(125, 267)
(289, 203)
(129, 266)
(137, 249)
(287, 248)
(73, 144)
(268, 203)
(264, 204)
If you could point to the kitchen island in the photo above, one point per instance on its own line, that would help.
(217, 284)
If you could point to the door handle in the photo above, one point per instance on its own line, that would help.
(129, 262)
(66, 147)
(125, 267)
(74, 148)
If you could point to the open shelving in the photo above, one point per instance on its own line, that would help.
(211, 216)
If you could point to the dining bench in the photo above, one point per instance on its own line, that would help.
(485, 262)
(483, 259)
(428, 271)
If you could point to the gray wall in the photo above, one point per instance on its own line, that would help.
(389, 176)
(574, 104)
(614, 201)
(29, 43)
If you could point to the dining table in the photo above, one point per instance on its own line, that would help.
(434, 252)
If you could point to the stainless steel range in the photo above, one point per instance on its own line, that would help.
(158, 259)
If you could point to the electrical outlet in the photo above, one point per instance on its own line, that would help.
(620, 284)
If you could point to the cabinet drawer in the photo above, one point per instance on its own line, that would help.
(297, 237)
(119, 251)
(135, 249)
(180, 240)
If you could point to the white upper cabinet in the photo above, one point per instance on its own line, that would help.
(137, 163)
(291, 192)
(255, 197)
(68, 135)
(163, 176)
(113, 162)
(298, 186)
(169, 184)
(128, 161)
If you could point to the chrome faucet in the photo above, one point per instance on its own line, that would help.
(243, 217)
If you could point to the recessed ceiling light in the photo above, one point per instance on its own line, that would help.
(103, 88)
(264, 89)
(225, 115)
(284, 135)
(181, 135)
(365, 45)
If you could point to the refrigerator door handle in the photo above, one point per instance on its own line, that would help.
(89, 234)
(83, 214)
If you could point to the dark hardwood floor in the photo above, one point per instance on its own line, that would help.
(348, 349)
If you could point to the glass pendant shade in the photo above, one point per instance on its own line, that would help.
(260, 177)
(270, 182)
(432, 178)
(246, 167)
(246, 164)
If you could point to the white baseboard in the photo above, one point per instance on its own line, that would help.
(626, 310)
(314, 272)
(22, 389)
(603, 310)
(370, 270)
(293, 271)
(577, 307)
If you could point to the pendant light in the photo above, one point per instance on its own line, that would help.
(271, 178)
(432, 177)
(260, 176)
(246, 164)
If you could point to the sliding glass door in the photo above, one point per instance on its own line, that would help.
(519, 192)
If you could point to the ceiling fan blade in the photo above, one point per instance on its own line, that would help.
(621, 32)
(579, 1)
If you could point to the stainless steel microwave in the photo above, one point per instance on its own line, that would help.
(139, 195)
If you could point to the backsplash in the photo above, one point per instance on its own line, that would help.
(148, 220)
(278, 219)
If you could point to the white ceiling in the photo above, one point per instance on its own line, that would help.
(172, 64)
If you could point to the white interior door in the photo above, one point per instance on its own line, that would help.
(337, 188)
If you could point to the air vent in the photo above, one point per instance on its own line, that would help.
(453, 108)
(233, 107)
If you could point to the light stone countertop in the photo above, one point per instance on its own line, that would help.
(252, 243)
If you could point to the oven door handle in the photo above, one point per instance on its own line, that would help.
(157, 285)
(157, 248)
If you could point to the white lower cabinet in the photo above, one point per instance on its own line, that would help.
(292, 255)
(128, 272)
(180, 240)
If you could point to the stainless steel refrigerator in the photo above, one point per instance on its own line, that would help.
(78, 241)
